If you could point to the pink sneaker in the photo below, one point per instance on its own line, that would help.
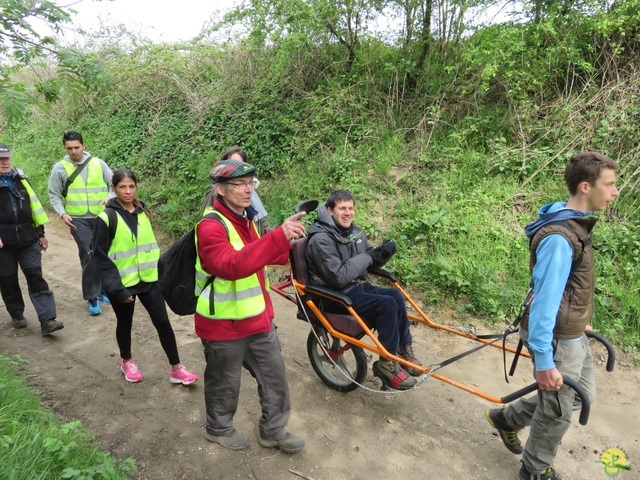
(183, 376)
(131, 372)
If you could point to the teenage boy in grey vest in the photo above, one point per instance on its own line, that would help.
(563, 274)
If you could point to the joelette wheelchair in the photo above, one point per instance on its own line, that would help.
(337, 343)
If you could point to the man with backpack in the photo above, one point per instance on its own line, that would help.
(563, 278)
(78, 190)
(234, 313)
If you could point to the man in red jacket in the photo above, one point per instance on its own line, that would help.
(240, 331)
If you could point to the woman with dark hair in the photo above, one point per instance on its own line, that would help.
(126, 254)
(262, 224)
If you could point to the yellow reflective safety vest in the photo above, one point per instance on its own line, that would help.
(135, 256)
(38, 214)
(86, 197)
(232, 299)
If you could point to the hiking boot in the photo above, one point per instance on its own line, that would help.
(50, 326)
(548, 474)
(94, 307)
(509, 437)
(182, 375)
(19, 321)
(131, 371)
(104, 299)
(392, 375)
(234, 441)
(288, 444)
(406, 352)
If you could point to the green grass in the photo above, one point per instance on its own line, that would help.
(34, 444)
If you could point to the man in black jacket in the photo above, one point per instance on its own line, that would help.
(22, 241)
(338, 256)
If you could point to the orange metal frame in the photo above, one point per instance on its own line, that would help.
(377, 347)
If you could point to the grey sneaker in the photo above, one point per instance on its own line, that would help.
(234, 441)
(509, 437)
(50, 326)
(548, 474)
(19, 321)
(406, 352)
(288, 444)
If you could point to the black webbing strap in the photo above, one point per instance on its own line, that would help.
(213, 216)
(514, 363)
(494, 337)
(528, 298)
(73, 176)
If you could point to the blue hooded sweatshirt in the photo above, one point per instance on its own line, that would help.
(554, 257)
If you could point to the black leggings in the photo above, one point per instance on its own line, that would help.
(153, 302)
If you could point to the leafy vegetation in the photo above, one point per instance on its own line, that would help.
(450, 136)
(35, 445)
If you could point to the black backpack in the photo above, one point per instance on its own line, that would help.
(177, 273)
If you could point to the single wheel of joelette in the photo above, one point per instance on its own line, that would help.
(337, 363)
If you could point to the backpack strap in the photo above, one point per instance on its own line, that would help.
(213, 216)
(73, 176)
(113, 222)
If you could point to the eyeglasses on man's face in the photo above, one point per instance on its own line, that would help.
(244, 185)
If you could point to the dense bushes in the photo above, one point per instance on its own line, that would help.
(452, 167)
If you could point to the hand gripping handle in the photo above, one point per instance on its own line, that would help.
(586, 404)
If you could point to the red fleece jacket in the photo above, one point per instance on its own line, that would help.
(219, 258)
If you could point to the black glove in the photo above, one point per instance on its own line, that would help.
(376, 256)
(387, 249)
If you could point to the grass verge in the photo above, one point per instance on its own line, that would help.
(34, 444)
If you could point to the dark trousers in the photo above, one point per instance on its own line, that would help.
(30, 260)
(383, 309)
(153, 302)
(260, 354)
(91, 284)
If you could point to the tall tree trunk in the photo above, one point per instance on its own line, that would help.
(425, 42)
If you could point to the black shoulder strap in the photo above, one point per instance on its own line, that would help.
(214, 216)
(113, 222)
(73, 176)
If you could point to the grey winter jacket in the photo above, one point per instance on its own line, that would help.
(336, 259)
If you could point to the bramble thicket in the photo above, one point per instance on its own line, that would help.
(450, 132)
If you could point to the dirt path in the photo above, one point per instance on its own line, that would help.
(435, 432)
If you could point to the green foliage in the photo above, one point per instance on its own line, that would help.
(451, 156)
(17, 33)
(35, 445)
(24, 46)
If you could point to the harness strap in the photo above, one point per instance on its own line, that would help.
(528, 298)
(495, 336)
(512, 370)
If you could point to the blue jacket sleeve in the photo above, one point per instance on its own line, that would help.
(550, 275)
